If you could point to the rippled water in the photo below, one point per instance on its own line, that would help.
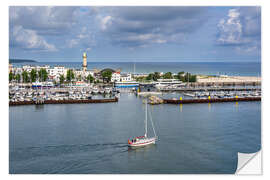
(92, 138)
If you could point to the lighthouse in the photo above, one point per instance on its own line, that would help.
(84, 62)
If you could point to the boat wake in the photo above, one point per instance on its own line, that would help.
(56, 150)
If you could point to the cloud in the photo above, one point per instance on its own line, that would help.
(143, 26)
(241, 28)
(230, 29)
(105, 22)
(40, 23)
(45, 20)
(83, 38)
(29, 40)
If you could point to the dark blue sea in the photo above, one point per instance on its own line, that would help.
(92, 138)
(205, 68)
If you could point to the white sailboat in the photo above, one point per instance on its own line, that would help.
(143, 140)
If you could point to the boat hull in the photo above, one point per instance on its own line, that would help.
(143, 142)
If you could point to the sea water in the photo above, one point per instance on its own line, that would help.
(92, 138)
(205, 68)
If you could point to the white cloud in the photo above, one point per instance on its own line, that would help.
(230, 29)
(143, 26)
(43, 19)
(105, 22)
(29, 39)
(72, 43)
(242, 29)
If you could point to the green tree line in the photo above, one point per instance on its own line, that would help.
(182, 76)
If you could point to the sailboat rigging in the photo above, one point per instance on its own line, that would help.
(144, 140)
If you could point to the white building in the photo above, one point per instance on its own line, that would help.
(56, 72)
(125, 77)
(87, 72)
(82, 73)
(116, 77)
(28, 68)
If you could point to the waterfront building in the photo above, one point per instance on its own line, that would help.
(28, 68)
(83, 74)
(55, 72)
(126, 77)
(17, 70)
(87, 72)
(116, 77)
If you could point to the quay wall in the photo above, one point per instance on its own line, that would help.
(209, 89)
(189, 101)
(84, 101)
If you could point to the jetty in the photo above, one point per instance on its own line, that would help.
(70, 101)
(209, 100)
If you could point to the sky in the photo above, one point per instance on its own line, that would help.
(182, 34)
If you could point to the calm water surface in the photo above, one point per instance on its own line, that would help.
(206, 68)
(92, 138)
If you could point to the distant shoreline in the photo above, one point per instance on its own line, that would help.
(21, 60)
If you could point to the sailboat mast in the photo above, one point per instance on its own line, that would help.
(145, 118)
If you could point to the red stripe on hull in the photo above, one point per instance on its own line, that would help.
(142, 143)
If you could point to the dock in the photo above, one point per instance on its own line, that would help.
(83, 101)
(219, 100)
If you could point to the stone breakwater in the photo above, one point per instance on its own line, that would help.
(189, 101)
(84, 101)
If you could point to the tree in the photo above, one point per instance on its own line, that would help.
(62, 79)
(139, 79)
(70, 75)
(150, 76)
(43, 75)
(18, 77)
(193, 78)
(90, 78)
(11, 76)
(25, 76)
(106, 75)
(156, 76)
(33, 75)
(189, 78)
(167, 75)
(180, 76)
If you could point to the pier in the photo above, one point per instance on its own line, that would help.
(83, 101)
(185, 89)
(214, 100)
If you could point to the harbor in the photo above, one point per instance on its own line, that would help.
(79, 126)
(92, 138)
(121, 89)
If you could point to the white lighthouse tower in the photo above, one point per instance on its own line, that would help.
(84, 62)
